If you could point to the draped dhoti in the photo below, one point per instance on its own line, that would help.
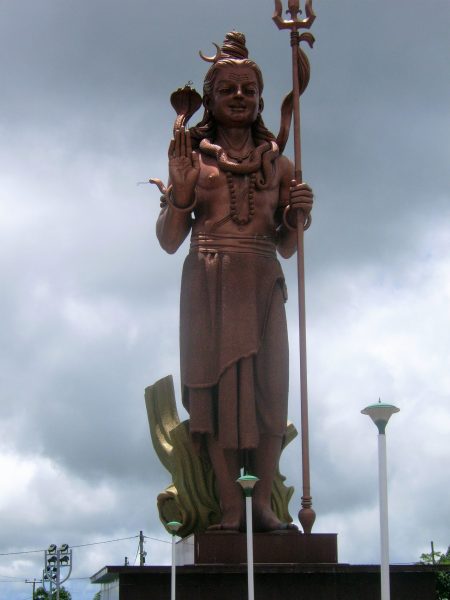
(233, 340)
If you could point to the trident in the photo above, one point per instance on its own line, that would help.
(300, 79)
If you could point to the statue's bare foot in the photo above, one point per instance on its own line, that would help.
(232, 520)
(265, 519)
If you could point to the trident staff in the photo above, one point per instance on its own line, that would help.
(300, 79)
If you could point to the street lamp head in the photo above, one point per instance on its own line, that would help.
(380, 414)
(247, 483)
(173, 526)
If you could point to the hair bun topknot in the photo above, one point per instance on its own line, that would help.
(234, 46)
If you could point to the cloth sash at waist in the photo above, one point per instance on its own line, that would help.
(210, 243)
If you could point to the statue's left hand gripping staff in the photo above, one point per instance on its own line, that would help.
(186, 101)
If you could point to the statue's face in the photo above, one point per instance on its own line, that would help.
(235, 97)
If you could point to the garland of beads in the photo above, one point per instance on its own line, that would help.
(233, 199)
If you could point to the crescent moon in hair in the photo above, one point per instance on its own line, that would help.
(211, 59)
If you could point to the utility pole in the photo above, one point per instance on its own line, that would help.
(34, 585)
(142, 553)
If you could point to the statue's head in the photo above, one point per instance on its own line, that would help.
(231, 62)
(233, 52)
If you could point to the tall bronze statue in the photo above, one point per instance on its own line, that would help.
(234, 191)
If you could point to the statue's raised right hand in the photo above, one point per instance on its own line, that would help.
(184, 168)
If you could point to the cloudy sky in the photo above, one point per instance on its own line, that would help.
(89, 302)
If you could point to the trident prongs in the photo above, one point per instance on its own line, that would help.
(294, 9)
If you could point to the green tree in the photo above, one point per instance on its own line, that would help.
(41, 594)
(442, 577)
(98, 596)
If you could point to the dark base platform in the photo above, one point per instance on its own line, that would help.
(219, 547)
(272, 582)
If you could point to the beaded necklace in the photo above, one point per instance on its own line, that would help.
(233, 199)
(257, 164)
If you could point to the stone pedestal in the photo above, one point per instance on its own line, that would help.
(219, 547)
(272, 582)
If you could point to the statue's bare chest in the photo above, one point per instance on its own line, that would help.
(220, 194)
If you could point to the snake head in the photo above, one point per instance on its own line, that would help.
(186, 101)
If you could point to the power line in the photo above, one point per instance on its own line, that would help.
(22, 552)
(12, 579)
(106, 542)
(78, 546)
(137, 553)
(147, 537)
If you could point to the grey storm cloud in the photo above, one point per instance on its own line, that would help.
(89, 302)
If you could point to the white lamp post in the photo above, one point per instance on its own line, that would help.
(380, 415)
(174, 526)
(247, 482)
